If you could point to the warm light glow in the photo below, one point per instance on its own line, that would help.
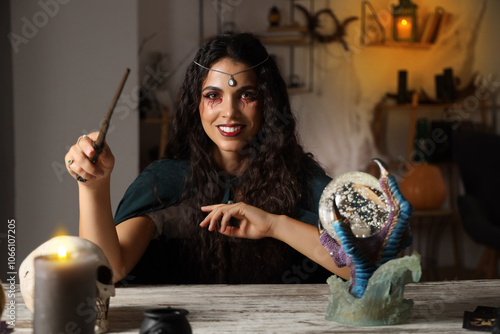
(61, 252)
(404, 29)
(60, 231)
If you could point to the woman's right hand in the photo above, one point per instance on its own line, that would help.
(78, 163)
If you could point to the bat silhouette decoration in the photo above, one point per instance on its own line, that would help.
(313, 23)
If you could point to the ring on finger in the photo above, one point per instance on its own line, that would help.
(70, 161)
(80, 138)
(80, 179)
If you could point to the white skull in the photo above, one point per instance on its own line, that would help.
(105, 287)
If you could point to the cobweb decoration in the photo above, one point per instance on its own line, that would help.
(335, 120)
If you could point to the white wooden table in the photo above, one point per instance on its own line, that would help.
(439, 307)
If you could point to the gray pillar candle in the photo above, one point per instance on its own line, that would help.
(65, 294)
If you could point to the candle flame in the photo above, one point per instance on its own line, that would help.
(404, 22)
(61, 252)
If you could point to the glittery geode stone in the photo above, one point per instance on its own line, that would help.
(360, 202)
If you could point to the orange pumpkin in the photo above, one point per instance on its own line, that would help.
(424, 187)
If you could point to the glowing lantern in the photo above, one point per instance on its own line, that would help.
(405, 21)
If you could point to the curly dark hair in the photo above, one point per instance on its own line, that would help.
(273, 178)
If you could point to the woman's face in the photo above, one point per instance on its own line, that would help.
(231, 116)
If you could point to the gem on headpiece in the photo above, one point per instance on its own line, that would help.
(231, 82)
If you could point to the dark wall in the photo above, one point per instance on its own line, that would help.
(6, 136)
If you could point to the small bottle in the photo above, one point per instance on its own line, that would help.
(274, 17)
(422, 134)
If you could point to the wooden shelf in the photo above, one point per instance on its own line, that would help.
(286, 35)
(298, 90)
(285, 40)
(436, 106)
(433, 213)
(414, 107)
(404, 45)
(294, 28)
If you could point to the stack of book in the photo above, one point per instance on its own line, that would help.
(434, 24)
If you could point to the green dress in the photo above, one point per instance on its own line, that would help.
(172, 257)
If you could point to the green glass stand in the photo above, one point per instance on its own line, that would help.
(383, 302)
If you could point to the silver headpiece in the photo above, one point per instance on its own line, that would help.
(231, 82)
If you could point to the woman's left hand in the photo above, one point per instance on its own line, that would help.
(254, 223)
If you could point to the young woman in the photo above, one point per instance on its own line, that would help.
(234, 198)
